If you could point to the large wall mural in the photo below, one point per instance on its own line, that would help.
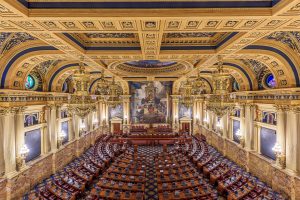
(115, 112)
(150, 102)
(185, 111)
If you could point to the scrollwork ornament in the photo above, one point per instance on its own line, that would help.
(296, 109)
(42, 117)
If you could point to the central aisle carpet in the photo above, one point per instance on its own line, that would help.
(151, 183)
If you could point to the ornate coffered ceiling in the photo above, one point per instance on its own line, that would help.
(110, 35)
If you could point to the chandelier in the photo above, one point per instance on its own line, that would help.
(186, 98)
(220, 102)
(198, 85)
(114, 94)
(81, 102)
(102, 86)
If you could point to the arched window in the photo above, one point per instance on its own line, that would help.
(270, 81)
(236, 86)
(65, 87)
(30, 82)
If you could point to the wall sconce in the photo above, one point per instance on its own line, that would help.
(24, 151)
(82, 128)
(218, 125)
(197, 119)
(280, 157)
(61, 138)
(104, 121)
(240, 137)
(95, 123)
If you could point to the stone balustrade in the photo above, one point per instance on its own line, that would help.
(281, 180)
(35, 171)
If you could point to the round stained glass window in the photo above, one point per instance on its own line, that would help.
(30, 82)
(270, 81)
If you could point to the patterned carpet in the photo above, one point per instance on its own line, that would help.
(151, 183)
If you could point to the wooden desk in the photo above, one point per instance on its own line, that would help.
(168, 171)
(123, 196)
(60, 192)
(129, 173)
(178, 186)
(182, 196)
(136, 179)
(179, 177)
(134, 188)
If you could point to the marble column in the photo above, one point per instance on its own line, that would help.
(47, 111)
(58, 119)
(126, 109)
(53, 133)
(200, 107)
(210, 120)
(224, 124)
(242, 121)
(281, 126)
(3, 120)
(195, 117)
(248, 126)
(90, 121)
(106, 114)
(45, 148)
(292, 140)
(19, 124)
(99, 111)
(71, 129)
(7, 128)
(76, 122)
(175, 105)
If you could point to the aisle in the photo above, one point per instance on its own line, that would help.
(151, 182)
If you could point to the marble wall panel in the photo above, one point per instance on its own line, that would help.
(260, 168)
(296, 194)
(3, 192)
(281, 181)
(64, 156)
(236, 154)
(19, 185)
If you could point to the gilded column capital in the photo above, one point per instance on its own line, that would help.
(5, 111)
(173, 96)
(58, 106)
(50, 106)
(20, 110)
(250, 105)
(296, 109)
(282, 107)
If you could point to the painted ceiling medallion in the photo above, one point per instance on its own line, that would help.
(153, 67)
(150, 63)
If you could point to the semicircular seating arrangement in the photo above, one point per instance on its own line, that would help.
(193, 170)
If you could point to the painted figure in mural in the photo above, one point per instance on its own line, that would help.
(149, 102)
